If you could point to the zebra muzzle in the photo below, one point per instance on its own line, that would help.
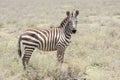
(74, 31)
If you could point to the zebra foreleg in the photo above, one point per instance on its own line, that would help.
(60, 55)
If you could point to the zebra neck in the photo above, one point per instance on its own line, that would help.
(64, 23)
(67, 33)
(65, 28)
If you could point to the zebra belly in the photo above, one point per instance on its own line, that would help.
(49, 48)
(43, 47)
(49, 45)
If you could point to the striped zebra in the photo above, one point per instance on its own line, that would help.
(52, 39)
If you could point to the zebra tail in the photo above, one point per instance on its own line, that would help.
(19, 47)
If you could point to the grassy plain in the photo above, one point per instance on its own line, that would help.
(94, 52)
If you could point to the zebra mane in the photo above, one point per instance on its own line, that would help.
(63, 22)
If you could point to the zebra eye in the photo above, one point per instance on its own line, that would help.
(69, 22)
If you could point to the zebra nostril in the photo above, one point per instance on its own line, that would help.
(74, 31)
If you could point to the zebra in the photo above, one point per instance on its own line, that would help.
(52, 39)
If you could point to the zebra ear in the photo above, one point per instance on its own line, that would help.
(68, 13)
(76, 13)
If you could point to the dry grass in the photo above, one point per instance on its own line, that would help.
(94, 52)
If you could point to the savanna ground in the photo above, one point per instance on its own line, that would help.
(94, 52)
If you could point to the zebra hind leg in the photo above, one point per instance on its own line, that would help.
(27, 55)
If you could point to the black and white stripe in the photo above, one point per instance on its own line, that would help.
(51, 39)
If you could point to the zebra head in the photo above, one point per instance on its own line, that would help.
(72, 21)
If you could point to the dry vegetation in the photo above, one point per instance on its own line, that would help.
(94, 52)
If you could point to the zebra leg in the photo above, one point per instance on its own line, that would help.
(60, 55)
(27, 55)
